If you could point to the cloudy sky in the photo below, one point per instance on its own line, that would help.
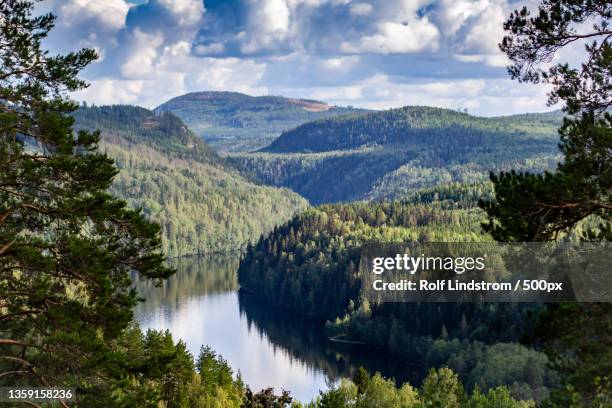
(366, 53)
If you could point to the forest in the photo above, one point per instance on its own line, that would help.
(202, 204)
(310, 265)
(388, 154)
(231, 121)
(93, 197)
(413, 125)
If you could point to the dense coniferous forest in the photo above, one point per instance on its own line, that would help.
(202, 204)
(385, 155)
(69, 193)
(413, 125)
(310, 265)
(231, 121)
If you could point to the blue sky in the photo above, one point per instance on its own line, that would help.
(366, 53)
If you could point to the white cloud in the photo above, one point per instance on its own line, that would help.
(453, 14)
(485, 97)
(343, 64)
(486, 31)
(108, 91)
(495, 60)
(87, 23)
(184, 12)
(141, 58)
(212, 49)
(268, 27)
(171, 72)
(395, 38)
(153, 59)
(271, 15)
(360, 9)
(371, 53)
(99, 14)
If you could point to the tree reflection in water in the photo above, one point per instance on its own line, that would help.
(304, 338)
(269, 345)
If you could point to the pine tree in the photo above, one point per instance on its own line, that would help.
(537, 207)
(540, 207)
(66, 245)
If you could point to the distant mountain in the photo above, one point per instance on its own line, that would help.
(231, 121)
(140, 126)
(383, 155)
(412, 124)
(202, 203)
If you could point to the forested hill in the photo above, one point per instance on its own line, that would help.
(231, 121)
(311, 265)
(202, 204)
(412, 124)
(385, 155)
(163, 131)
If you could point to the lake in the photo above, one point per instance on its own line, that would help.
(270, 347)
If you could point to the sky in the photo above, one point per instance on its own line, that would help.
(375, 54)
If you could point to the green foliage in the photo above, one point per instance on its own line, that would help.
(232, 121)
(440, 389)
(309, 265)
(577, 339)
(418, 125)
(496, 398)
(361, 380)
(162, 373)
(536, 207)
(214, 370)
(164, 131)
(201, 203)
(384, 155)
(66, 245)
(531, 207)
(344, 395)
(266, 399)
(534, 40)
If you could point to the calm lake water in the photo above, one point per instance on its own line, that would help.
(271, 347)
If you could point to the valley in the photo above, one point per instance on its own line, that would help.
(169, 241)
(202, 203)
(414, 173)
(389, 154)
(231, 121)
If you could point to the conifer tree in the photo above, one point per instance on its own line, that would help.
(537, 207)
(540, 207)
(67, 247)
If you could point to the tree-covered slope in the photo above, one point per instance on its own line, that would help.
(419, 125)
(231, 121)
(311, 265)
(137, 125)
(384, 155)
(202, 203)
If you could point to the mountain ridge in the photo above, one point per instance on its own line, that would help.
(354, 131)
(233, 121)
(202, 203)
(388, 154)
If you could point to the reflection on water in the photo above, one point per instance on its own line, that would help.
(304, 338)
(270, 346)
(195, 277)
